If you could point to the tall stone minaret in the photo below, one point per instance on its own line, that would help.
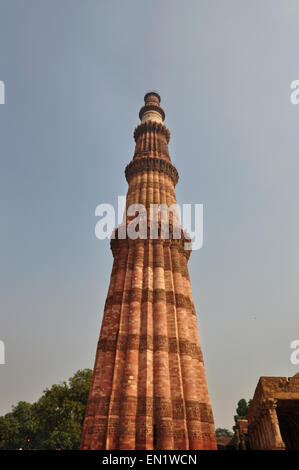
(149, 388)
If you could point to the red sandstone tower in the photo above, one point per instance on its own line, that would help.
(149, 388)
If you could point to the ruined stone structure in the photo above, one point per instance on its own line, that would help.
(240, 439)
(273, 416)
(149, 388)
(225, 443)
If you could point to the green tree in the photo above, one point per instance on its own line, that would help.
(53, 422)
(222, 432)
(18, 428)
(242, 409)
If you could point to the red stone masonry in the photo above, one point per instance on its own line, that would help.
(149, 388)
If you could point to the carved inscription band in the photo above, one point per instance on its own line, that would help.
(151, 164)
(154, 343)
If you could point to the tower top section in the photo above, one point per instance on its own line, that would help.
(151, 110)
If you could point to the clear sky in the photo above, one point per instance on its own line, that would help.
(75, 74)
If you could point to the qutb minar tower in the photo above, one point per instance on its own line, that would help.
(149, 389)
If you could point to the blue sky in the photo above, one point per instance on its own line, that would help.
(75, 75)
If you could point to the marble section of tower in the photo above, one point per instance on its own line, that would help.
(149, 388)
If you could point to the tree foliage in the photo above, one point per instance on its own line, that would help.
(222, 432)
(53, 422)
(242, 409)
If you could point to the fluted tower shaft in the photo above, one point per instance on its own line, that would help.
(149, 387)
